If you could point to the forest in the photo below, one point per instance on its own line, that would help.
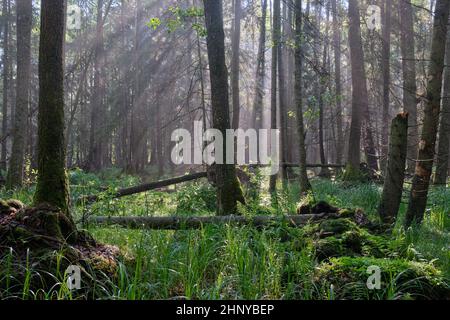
(225, 150)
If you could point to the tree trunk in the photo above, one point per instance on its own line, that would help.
(96, 146)
(52, 185)
(260, 70)
(407, 43)
(360, 102)
(235, 63)
(137, 133)
(359, 85)
(276, 33)
(386, 67)
(323, 83)
(444, 127)
(427, 145)
(24, 25)
(395, 170)
(305, 186)
(282, 102)
(338, 83)
(124, 100)
(228, 187)
(6, 75)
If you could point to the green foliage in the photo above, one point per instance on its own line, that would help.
(196, 199)
(224, 262)
(400, 279)
(179, 18)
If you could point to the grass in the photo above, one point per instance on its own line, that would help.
(221, 262)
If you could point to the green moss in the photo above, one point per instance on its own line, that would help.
(343, 237)
(338, 226)
(399, 279)
(353, 241)
(347, 213)
(306, 204)
(352, 174)
(4, 207)
(16, 204)
(230, 193)
(330, 247)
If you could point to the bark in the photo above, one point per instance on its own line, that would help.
(358, 84)
(407, 43)
(305, 185)
(6, 75)
(386, 67)
(24, 24)
(427, 145)
(52, 185)
(179, 223)
(260, 70)
(338, 83)
(282, 102)
(137, 122)
(124, 100)
(395, 170)
(442, 162)
(360, 103)
(96, 145)
(229, 191)
(276, 33)
(159, 139)
(323, 82)
(235, 63)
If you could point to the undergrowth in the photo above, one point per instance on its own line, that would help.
(223, 262)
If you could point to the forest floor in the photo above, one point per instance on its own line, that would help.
(226, 262)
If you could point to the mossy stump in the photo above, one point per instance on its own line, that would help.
(400, 279)
(44, 240)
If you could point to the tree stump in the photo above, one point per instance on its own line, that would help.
(395, 170)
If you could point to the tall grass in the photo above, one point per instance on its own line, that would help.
(218, 262)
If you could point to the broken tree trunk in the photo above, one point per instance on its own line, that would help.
(166, 183)
(148, 187)
(177, 223)
(395, 169)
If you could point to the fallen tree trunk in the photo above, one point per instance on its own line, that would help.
(148, 187)
(191, 177)
(330, 166)
(296, 165)
(177, 223)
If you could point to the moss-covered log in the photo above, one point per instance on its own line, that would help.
(177, 223)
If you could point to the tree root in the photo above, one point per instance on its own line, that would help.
(46, 240)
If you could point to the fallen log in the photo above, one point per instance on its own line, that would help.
(165, 183)
(295, 165)
(179, 223)
(147, 187)
(330, 166)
